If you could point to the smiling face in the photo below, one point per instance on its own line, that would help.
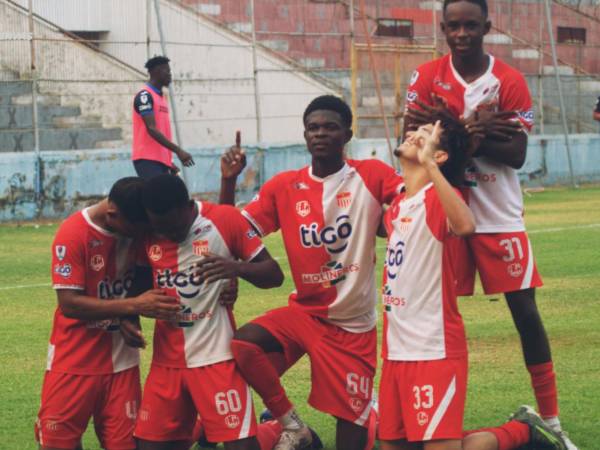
(464, 26)
(326, 135)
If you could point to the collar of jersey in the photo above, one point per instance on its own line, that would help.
(418, 196)
(88, 219)
(462, 81)
(159, 92)
(340, 172)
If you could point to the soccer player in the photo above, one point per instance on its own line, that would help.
(152, 142)
(495, 103)
(328, 214)
(424, 379)
(195, 249)
(90, 371)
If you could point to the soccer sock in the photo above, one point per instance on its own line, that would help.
(543, 381)
(258, 371)
(268, 434)
(510, 436)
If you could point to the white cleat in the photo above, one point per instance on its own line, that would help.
(294, 439)
(568, 443)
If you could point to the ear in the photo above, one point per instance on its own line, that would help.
(440, 157)
(443, 27)
(348, 136)
(487, 26)
(112, 211)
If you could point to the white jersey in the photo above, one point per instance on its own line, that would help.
(494, 189)
(421, 318)
(201, 333)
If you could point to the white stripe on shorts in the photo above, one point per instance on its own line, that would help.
(529, 271)
(441, 410)
(247, 415)
(365, 414)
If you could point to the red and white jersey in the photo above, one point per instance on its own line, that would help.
(201, 333)
(328, 226)
(91, 259)
(495, 193)
(421, 319)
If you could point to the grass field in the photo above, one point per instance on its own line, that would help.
(565, 230)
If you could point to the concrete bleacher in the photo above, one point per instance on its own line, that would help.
(60, 126)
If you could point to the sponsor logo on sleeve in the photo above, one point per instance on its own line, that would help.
(411, 96)
(526, 116)
(144, 97)
(60, 251)
(64, 270)
(251, 233)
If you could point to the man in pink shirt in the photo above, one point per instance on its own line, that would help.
(152, 142)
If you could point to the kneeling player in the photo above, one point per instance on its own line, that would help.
(90, 371)
(196, 248)
(424, 378)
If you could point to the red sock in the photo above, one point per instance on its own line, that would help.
(543, 381)
(510, 436)
(268, 434)
(260, 374)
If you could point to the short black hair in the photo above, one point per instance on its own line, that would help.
(156, 61)
(126, 194)
(330, 103)
(163, 193)
(481, 3)
(454, 141)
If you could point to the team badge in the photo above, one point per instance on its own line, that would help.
(232, 421)
(155, 253)
(60, 251)
(344, 199)
(515, 270)
(97, 263)
(405, 223)
(356, 404)
(422, 418)
(200, 247)
(303, 208)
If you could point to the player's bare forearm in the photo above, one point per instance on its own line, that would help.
(262, 274)
(162, 139)
(227, 192)
(512, 152)
(76, 305)
(460, 217)
(153, 303)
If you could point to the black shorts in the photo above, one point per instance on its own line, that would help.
(146, 168)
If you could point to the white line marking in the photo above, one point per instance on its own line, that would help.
(279, 258)
(24, 286)
(559, 229)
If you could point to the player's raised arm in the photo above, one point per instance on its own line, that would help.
(233, 162)
(460, 217)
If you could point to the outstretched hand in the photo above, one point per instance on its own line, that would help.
(430, 135)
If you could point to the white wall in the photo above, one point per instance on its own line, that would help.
(213, 73)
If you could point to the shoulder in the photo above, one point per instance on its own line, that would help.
(283, 179)
(74, 225)
(507, 74)
(372, 168)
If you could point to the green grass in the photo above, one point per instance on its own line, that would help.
(498, 383)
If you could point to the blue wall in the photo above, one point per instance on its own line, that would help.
(72, 179)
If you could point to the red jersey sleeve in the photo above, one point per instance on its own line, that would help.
(382, 180)
(68, 257)
(241, 238)
(437, 221)
(514, 95)
(261, 212)
(420, 86)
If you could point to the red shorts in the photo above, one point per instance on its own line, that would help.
(173, 399)
(69, 401)
(342, 363)
(422, 400)
(504, 261)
